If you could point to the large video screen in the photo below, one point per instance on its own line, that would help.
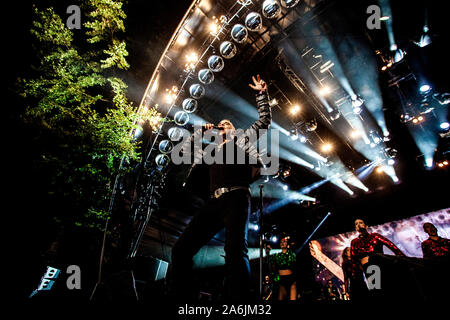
(406, 234)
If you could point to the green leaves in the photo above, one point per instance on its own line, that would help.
(79, 108)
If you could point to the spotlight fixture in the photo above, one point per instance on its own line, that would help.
(165, 146)
(271, 9)
(444, 125)
(274, 239)
(324, 91)
(425, 88)
(171, 94)
(294, 109)
(391, 162)
(239, 33)
(311, 125)
(379, 170)
(418, 119)
(327, 147)
(181, 118)
(162, 160)
(355, 134)
(197, 91)
(303, 139)
(273, 102)
(175, 134)
(253, 21)
(191, 61)
(334, 115)
(285, 187)
(357, 101)
(227, 49)
(289, 3)
(215, 63)
(206, 76)
(293, 134)
(286, 173)
(189, 105)
(399, 55)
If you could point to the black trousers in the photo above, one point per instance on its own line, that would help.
(231, 211)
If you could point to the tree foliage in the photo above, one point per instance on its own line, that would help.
(78, 109)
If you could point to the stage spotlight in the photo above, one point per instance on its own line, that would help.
(334, 115)
(181, 118)
(443, 98)
(357, 102)
(215, 63)
(384, 18)
(213, 28)
(189, 105)
(440, 165)
(274, 239)
(165, 146)
(285, 187)
(391, 162)
(399, 55)
(379, 170)
(171, 94)
(253, 21)
(445, 163)
(289, 3)
(303, 139)
(355, 134)
(383, 68)
(273, 102)
(357, 110)
(227, 49)
(324, 91)
(294, 109)
(293, 134)
(425, 88)
(311, 125)
(271, 9)
(175, 134)
(196, 91)
(162, 160)
(206, 76)
(429, 162)
(444, 125)
(327, 147)
(286, 173)
(239, 33)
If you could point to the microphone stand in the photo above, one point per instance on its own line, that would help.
(261, 241)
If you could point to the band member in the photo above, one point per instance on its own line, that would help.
(354, 286)
(228, 207)
(368, 243)
(434, 246)
(284, 265)
(332, 292)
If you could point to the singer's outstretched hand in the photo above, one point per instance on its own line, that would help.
(258, 84)
(208, 126)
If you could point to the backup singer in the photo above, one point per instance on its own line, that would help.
(284, 265)
(434, 246)
(367, 244)
(228, 207)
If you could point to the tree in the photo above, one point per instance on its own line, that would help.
(78, 109)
